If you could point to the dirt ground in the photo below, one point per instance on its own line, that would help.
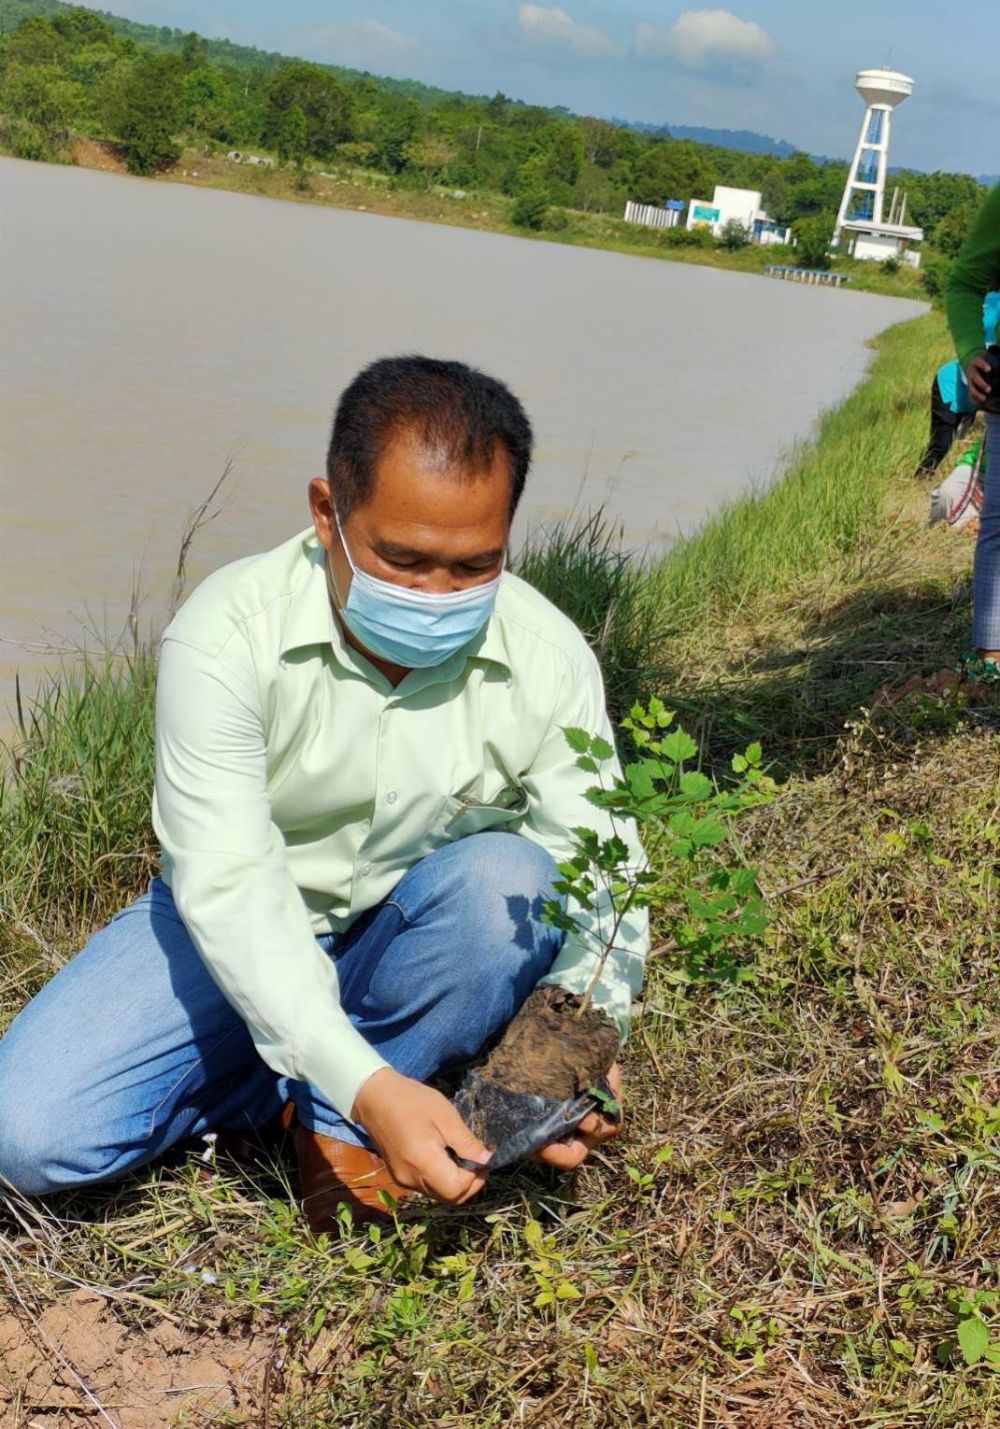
(77, 1364)
(92, 154)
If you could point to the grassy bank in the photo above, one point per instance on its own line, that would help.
(368, 192)
(799, 1227)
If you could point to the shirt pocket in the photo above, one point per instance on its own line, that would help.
(465, 814)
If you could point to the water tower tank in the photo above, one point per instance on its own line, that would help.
(883, 86)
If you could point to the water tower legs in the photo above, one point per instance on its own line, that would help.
(864, 192)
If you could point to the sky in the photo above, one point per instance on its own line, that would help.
(780, 67)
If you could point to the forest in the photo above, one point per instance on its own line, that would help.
(68, 71)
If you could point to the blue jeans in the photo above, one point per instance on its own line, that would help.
(986, 568)
(131, 1047)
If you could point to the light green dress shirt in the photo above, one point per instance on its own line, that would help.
(295, 786)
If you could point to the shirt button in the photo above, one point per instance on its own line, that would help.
(366, 869)
(391, 797)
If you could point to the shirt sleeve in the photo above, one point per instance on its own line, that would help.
(975, 271)
(225, 861)
(557, 804)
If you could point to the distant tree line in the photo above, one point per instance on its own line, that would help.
(72, 71)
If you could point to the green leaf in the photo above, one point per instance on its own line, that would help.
(601, 749)
(678, 746)
(973, 1339)
(566, 1291)
(606, 1102)
(659, 714)
(639, 778)
(577, 739)
(532, 1234)
(707, 832)
(614, 851)
(695, 785)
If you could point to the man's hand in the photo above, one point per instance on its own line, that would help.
(977, 375)
(412, 1125)
(594, 1129)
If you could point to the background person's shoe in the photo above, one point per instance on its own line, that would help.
(334, 1173)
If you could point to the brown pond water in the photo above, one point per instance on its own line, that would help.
(150, 331)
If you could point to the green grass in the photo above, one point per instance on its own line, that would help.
(74, 807)
(800, 1223)
(581, 567)
(830, 504)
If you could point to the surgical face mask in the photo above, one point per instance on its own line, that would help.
(411, 628)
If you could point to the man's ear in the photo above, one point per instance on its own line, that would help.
(321, 506)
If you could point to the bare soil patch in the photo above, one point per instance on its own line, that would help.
(78, 1360)
(94, 154)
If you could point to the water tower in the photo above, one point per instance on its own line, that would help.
(861, 208)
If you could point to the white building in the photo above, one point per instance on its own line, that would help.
(742, 206)
(861, 225)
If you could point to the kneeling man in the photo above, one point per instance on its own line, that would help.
(362, 790)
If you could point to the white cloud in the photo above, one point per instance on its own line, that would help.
(368, 44)
(702, 39)
(552, 28)
(381, 35)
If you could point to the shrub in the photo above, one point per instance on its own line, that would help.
(733, 236)
(530, 209)
(934, 272)
(26, 140)
(813, 241)
(687, 238)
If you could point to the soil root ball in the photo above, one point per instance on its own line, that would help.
(551, 1049)
(535, 1086)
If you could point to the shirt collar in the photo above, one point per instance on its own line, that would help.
(311, 620)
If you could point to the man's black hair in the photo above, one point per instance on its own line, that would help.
(454, 409)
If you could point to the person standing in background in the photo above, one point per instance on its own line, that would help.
(952, 414)
(974, 276)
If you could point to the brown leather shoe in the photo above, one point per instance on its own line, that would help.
(334, 1173)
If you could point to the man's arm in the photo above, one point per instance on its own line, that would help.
(230, 879)
(975, 271)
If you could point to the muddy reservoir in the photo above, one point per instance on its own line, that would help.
(150, 331)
